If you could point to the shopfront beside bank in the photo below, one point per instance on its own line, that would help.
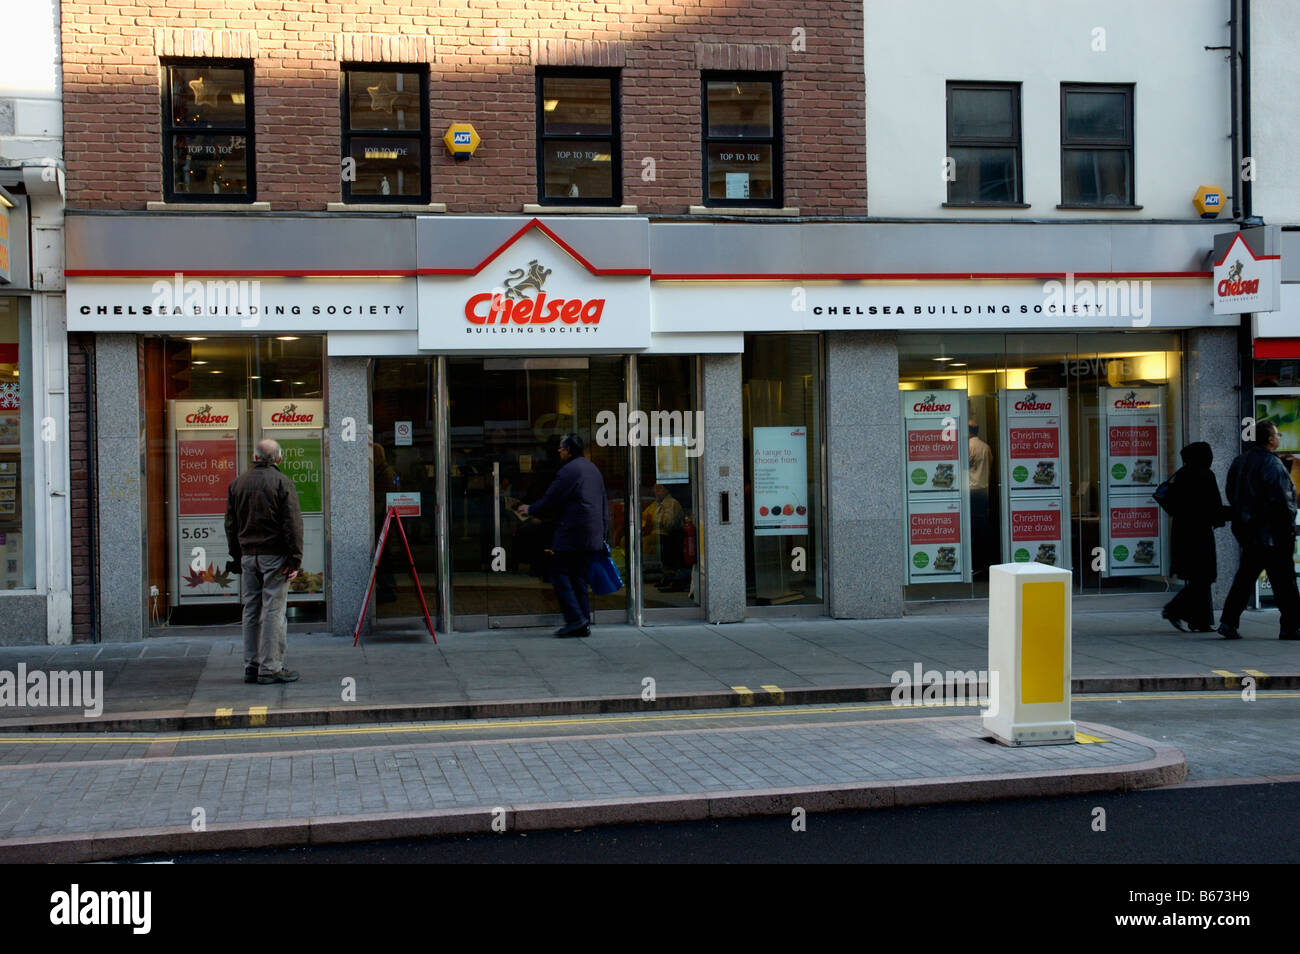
(847, 419)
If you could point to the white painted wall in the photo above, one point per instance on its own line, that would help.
(31, 92)
(1181, 103)
(1275, 109)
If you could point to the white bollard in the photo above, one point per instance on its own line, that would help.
(1029, 654)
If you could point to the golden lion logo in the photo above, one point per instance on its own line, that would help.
(1234, 273)
(518, 281)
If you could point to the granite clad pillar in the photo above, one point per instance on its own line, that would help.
(723, 469)
(864, 458)
(349, 524)
(119, 439)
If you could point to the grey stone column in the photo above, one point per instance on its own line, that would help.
(864, 457)
(349, 523)
(1212, 408)
(118, 440)
(723, 469)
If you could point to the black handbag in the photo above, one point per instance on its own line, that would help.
(1164, 496)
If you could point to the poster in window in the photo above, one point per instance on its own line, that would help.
(1037, 530)
(1133, 439)
(936, 548)
(1033, 440)
(780, 481)
(1133, 544)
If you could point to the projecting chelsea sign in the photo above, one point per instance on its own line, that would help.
(1246, 282)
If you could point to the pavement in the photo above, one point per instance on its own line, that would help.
(629, 725)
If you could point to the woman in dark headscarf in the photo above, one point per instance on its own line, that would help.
(1196, 508)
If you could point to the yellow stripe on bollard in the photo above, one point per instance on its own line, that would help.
(257, 715)
(1042, 642)
(746, 695)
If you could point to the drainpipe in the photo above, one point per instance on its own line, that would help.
(1232, 106)
(92, 468)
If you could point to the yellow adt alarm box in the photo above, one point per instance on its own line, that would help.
(461, 140)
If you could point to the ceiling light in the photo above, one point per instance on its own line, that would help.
(550, 104)
(255, 377)
(277, 380)
(300, 382)
(214, 372)
(200, 362)
(957, 364)
(196, 339)
(286, 338)
(941, 359)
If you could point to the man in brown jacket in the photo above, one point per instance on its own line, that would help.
(264, 533)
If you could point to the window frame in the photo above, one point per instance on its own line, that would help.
(1016, 141)
(170, 130)
(776, 140)
(1127, 89)
(615, 136)
(421, 136)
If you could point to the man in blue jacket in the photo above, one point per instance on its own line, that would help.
(1264, 509)
(577, 498)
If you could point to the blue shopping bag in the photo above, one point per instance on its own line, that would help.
(603, 575)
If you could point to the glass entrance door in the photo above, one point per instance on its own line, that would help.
(506, 418)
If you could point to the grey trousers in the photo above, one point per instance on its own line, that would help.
(264, 591)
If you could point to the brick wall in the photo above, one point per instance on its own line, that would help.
(83, 547)
(482, 57)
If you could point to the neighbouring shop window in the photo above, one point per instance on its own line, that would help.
(208, 401)
(578, 152)
(208, 132)
(984, 143)
(1096, 145)
(385, 135)
(742, 140)
(17, 515)
(1056, 442)
(782, 420)
(668, 503)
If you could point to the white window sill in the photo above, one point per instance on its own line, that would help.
(579, 209)
(208, 206)
(432, 207)
(729, 210)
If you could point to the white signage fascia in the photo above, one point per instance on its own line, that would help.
(1051, 305)
(233, 304)
(534, 297)
(1283, 323)
(1245, 282)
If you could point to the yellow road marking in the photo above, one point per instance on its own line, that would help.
(223, 716)
(1256, 673)
(1229, 677)
(746, 695)
(1086, 738)
(257, 715)
(77, 738)
(777, 694)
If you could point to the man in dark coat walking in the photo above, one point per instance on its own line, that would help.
(577, 497)
(1196, 509)
(1264, 507)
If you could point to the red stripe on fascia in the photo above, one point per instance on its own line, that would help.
(227, 272)
(535, 223)
(913, 276)
(1277, 347)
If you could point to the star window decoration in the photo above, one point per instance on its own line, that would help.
(204, 95)
(382, 98)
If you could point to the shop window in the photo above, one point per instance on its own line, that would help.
(781, 411)
(17, 517)
(579, 157)
(984, 143)
(1096, 145)
(742, 140)
(385, 116)
(208, 401)
(208, 132)
(1055, 443)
